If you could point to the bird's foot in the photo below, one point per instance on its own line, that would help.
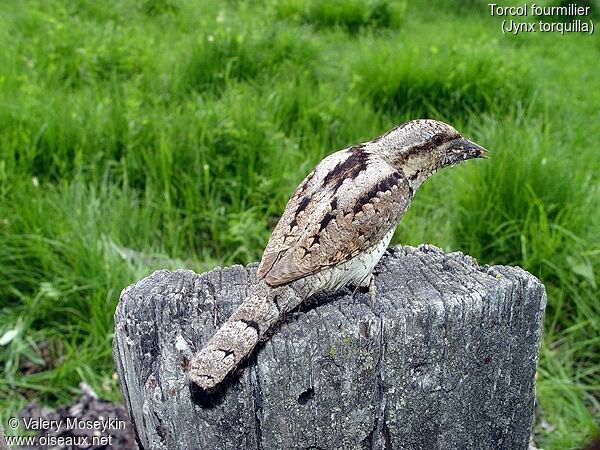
(367, 285)
(372, 291)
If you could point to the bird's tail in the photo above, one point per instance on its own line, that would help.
(237, 337)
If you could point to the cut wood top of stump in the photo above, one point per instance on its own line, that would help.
(445, 358)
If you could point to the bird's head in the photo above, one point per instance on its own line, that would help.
(419, 148)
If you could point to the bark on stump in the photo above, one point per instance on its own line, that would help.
(445, 359)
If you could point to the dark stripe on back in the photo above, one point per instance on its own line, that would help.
(383, 185)
(325, 221)
(302, 205)
(316, 239)
(333, 204)
(347, 169)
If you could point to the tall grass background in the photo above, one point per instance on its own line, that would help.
(170, 133)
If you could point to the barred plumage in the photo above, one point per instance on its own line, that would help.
(333, 232)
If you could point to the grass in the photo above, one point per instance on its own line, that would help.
(179, 131)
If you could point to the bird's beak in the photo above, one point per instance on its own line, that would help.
(470, 149)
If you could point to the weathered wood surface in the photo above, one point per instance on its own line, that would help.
(3, 445)
(445, 359)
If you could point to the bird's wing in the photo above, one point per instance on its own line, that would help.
(344, 206)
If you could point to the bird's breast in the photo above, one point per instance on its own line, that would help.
(354, 271)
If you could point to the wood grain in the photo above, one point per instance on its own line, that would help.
(445, 359)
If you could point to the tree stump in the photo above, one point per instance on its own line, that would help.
(445, 359)
(3, 445)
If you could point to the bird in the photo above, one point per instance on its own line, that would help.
(333, 231)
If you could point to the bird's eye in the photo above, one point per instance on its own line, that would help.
(438, 139)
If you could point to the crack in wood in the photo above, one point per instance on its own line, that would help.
(431, 308)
